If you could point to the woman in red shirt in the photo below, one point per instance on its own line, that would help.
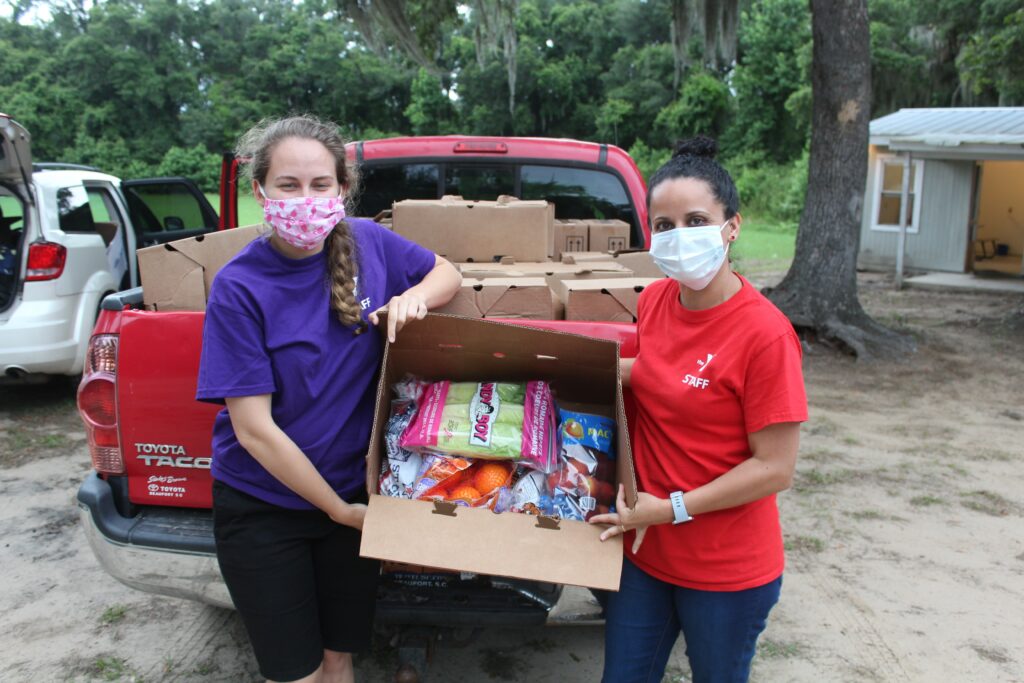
(720, 398)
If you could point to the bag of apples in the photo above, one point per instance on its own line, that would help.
(582, 485)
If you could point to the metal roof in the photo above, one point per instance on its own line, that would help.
(984, 131)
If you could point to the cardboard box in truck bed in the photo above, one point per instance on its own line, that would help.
(580, 369)
(463, 230)
(176, 276)
(612, 299)
(608, 235)
(638, 261)
(570, 236)
(527, 297)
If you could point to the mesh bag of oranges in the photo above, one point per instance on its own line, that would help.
(471, 483)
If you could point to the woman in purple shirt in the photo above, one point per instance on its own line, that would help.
(287, 349)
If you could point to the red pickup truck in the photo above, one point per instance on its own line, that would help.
(146, 507)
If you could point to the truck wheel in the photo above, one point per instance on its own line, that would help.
(414, 651)
(407, 674)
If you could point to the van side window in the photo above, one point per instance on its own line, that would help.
(75, 214)
(384, 184)
(578, 192)
(105, 214)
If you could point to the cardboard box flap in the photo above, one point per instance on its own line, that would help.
(177, 275)
(485, 543)
(453, 348)
(540, 269)
(211, 253)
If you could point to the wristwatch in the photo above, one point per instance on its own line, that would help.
(679, 512)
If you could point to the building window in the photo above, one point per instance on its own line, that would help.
(888, 190)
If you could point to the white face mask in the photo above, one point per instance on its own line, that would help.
(693, 256)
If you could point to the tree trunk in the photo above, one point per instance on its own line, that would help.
(819, 293)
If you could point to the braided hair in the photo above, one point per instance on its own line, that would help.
(342, 259)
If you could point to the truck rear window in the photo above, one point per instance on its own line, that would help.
(479, 182)
(383, 184)
(575, 192)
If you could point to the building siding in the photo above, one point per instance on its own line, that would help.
(941, 243)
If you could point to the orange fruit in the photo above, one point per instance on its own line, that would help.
(490, 476)
(465, 493)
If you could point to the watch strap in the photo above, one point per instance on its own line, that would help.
(679, 512)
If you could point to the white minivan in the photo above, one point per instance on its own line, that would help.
(68, 236)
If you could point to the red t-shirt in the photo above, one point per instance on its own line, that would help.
(704, 380)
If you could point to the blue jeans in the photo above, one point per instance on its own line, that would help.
(643, 620)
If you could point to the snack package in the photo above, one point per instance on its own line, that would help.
(582, 486)
(438, 476)
(490, 420)
(400, 468)
(531, 494)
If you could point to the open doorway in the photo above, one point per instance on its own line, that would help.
(998, 216)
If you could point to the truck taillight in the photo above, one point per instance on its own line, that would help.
(45, 261)
(97, 404)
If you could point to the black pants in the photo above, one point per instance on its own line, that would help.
(296, 578)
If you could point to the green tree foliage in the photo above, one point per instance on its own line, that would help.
(139, 87)
(774, 34)
(429, 109)
(195, 162)
(703, 108)
(992, 60)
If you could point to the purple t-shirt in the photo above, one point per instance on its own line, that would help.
(270, 330)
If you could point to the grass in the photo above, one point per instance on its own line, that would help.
(988, 503)
(808, 544)
(249, 211)
(110, 668)
(764, 244)
(925, 501)
(771, 649)
(113, 614)
(867, 514)
(816, 478)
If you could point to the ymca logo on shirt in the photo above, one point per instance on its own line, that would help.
(695, 380)
(364, 303)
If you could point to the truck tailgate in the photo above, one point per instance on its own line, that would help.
(165, 433)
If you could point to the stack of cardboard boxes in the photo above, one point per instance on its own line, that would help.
(518, 261)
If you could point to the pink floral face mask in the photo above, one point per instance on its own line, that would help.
(303, 222)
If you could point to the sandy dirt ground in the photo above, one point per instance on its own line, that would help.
(904, 535)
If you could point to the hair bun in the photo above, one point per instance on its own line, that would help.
(698, 146)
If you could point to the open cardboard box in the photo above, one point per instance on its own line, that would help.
(527, 298)
(176, 276)
(581, 370)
